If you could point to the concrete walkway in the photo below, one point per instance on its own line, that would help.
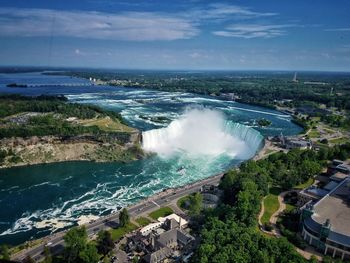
(261, 213)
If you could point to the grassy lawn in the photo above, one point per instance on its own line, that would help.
(181, 202)
(330, 131)
(161, 212)
(271, 204)
(306, 184)
(341, 140)
(314, 133)
(119, 232)
(289, 207)
(107, 124)
(142, 221)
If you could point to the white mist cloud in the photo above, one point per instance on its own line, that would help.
(196, 132)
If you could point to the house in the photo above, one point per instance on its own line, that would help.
(157, 242)
(292, 143)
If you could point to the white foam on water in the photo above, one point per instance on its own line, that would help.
(258, 111)
(201, 132)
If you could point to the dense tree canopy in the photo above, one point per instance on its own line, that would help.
(77, 249)
(105, 242)
(124, 217)
(195, 203)
(229, 233)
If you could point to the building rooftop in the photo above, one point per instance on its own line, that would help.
(336, 207)
(314, 192)
(339, 176)
(331, 185)
(158, 255)
(182, 222)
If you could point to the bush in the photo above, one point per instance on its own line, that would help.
(268, 227)
(324, 141)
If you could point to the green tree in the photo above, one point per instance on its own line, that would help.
(29, 259)
(248, 202)
(124, 217)
(104, 242)
(313, 259)
(4, 251)
(48, 256)
(309, 168)
(89, 254)
(75, 242)
(135, 259)
(196, 203)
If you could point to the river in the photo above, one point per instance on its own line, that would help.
(41, 199)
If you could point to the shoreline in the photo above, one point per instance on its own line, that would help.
(40, 242)
(43, 241)
(143, 201)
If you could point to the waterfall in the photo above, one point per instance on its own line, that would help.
(253, 138)
(203, 132)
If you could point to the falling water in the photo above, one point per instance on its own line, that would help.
(203, 132)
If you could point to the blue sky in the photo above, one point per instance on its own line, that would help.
(162, 34)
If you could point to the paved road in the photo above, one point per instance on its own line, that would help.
(55, 242)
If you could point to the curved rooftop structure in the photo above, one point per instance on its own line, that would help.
(326, 223)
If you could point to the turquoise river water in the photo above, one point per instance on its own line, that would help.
(41, 199)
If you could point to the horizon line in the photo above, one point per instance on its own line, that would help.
(175, 69)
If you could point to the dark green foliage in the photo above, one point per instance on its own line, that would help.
(53, 121)
(259, 88)
(12, 104)
(289, 227)
(4, 252)
(3, 155)
(77, 249)
(229, 232)
(29, 259)
(124, 217)
(230, 241)
(195, 204)
(48, 256)
(264, 122)
(104, 242)
(336, 120)
(75, 242)
(286, 169)
(89, 254)
(301, 122)
(268, 227)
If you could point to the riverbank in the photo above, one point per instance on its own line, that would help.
(53, 149)
(166, 197)
(47, 129)
(145, 206)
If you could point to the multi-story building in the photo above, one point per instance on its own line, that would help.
(325, 223)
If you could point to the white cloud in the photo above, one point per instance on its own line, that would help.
(136, 26)
(130, 26)
(222, 10)
(343, 29)
(252, 31)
